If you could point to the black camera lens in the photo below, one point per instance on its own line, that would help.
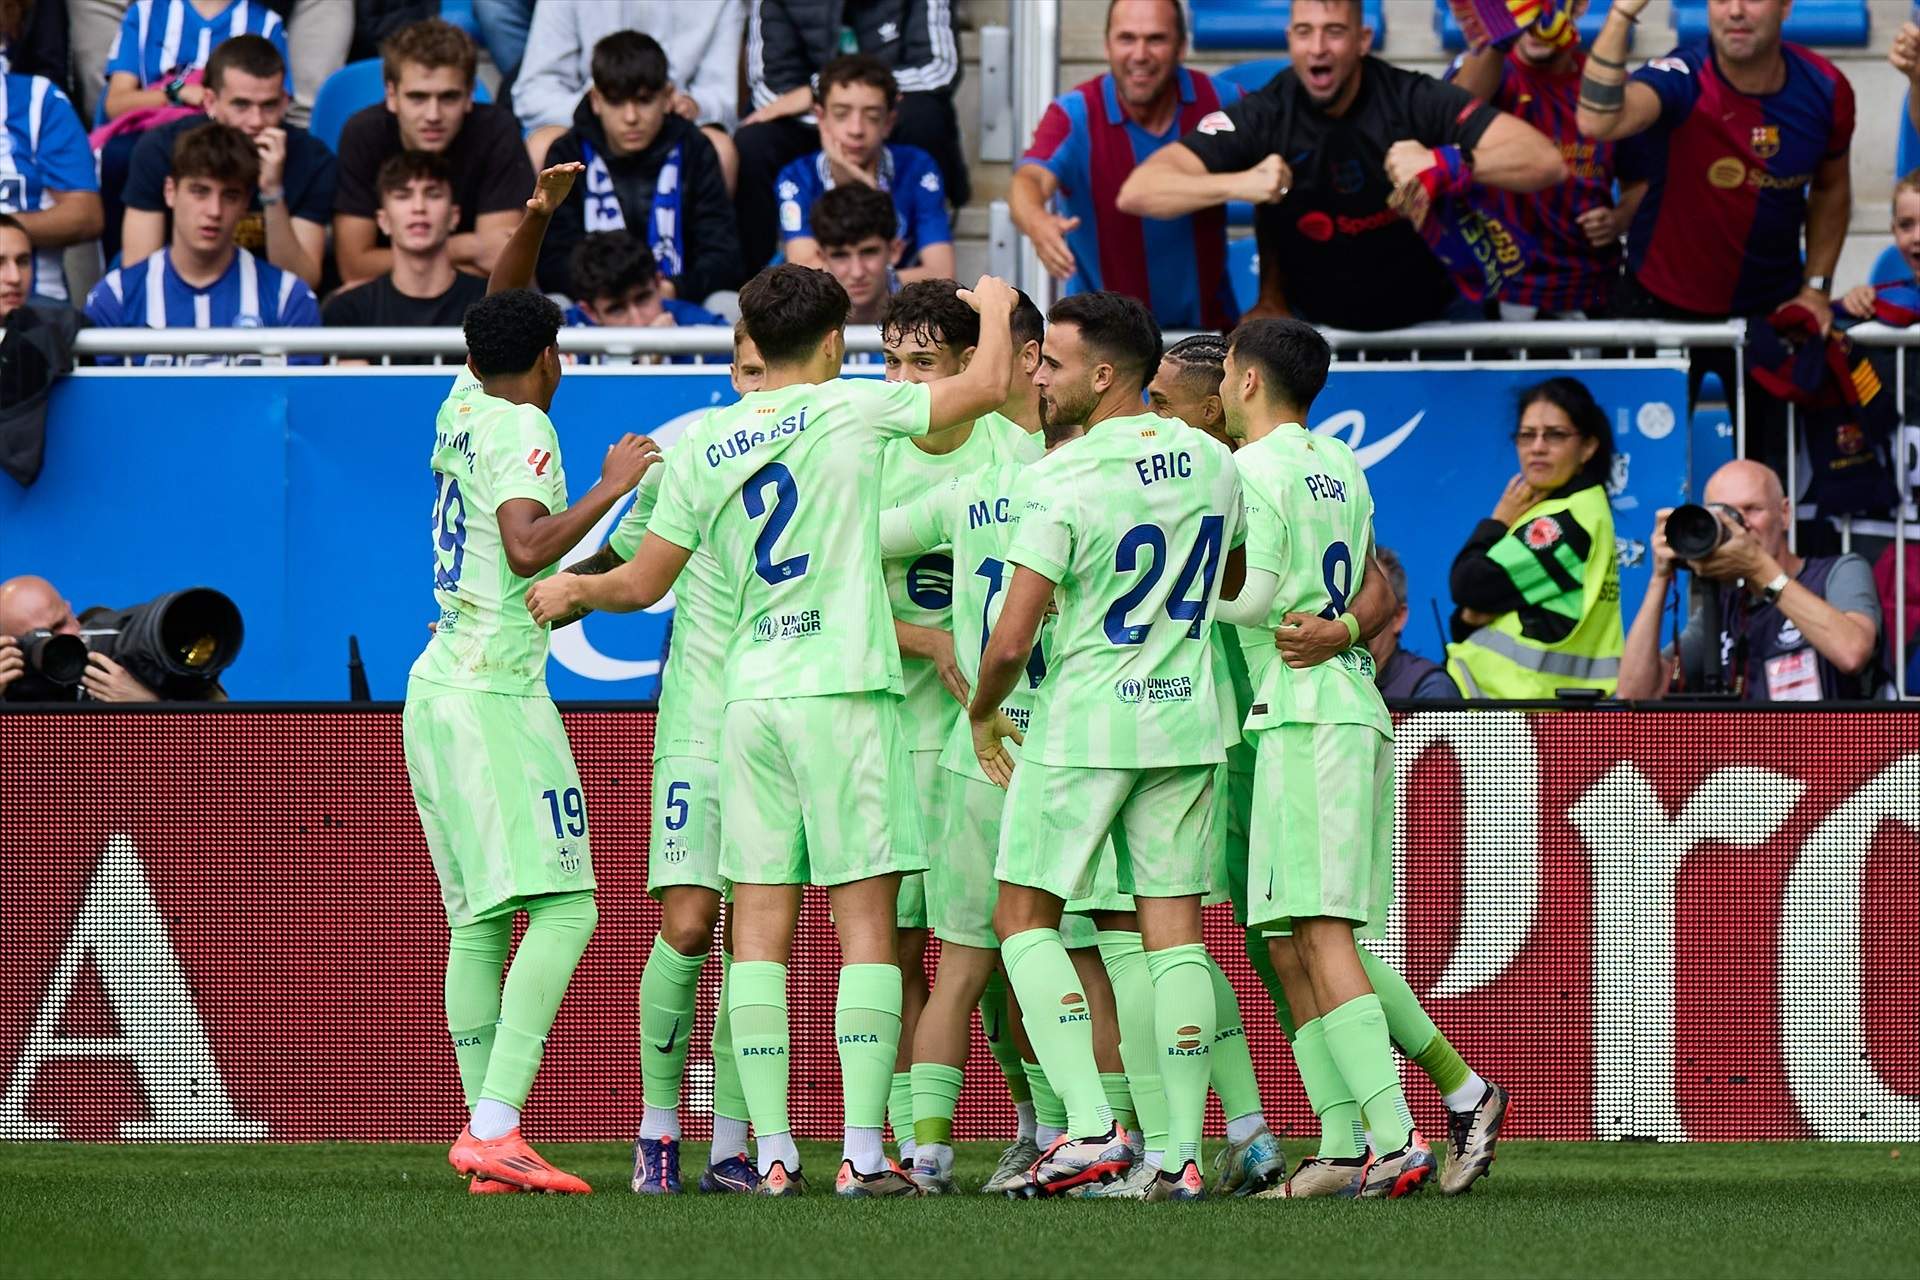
(61, 659)
(1694, 532)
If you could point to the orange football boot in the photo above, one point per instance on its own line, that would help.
(509, 1159)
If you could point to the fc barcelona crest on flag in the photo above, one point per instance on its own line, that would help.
(1766, 141)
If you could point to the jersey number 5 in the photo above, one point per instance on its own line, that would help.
(786, 500)
(1183, 603)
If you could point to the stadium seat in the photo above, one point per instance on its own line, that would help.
(1889, 268)
(1248, 76)
(1907, 158)
(356, 85)
(1830, 22)
(460, 14)
(1453, 38)
(1243, 269)
(1710, 439)
(1261, 24)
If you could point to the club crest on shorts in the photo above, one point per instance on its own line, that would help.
(1542, 533)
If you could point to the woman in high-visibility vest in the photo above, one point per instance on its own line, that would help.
(1536, 589)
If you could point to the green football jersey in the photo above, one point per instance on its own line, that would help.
(972, 515)
(784, 487)
(921, 587)
(486, 451)
(691, 702)
(1309, 522)
(1133, 521)
(1234, 692)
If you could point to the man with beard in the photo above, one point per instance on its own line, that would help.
(1321, 150)
(1086, 145)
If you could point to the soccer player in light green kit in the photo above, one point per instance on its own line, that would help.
(785, 487)
(493, 776)
(928, 333)
(1320, 856)
(1131, 526)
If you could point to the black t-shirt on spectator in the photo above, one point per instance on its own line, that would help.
(378, 303)
(1345, 258)
(491, 173)
(307, 182)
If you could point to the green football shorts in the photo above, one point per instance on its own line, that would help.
(1321, 837)
(1233, 808)
(499, 798)
(961, 890)
(684, 843)
(914, 910)
(1059, 817)
(817, 790)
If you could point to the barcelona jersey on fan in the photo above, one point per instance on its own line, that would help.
(1719, 231)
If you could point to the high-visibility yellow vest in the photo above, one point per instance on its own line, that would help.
(1500, 661)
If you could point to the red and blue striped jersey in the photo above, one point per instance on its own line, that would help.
(1176, 266)
(1568, 273)
(1719, 231)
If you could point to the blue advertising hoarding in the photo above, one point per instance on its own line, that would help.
(305, 496)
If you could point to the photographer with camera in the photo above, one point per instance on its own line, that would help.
(171, 649)
(1789, 629)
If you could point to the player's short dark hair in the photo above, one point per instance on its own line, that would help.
(1291, 355)
(216, 151)
(1571, 397)
(608, 263)
(1202, 357)
(249, 55)
(1179, 19)
(507, 331)
(403, 168)
(430, 43)
(1116, 328)
(8, 220)
(790, 308)
(1027, 323)
(845, 215)
(857, 68)
(629, 65)
(932, 309)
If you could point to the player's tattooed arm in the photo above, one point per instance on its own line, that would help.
(605, 560)
(637, 584)
(520, 256)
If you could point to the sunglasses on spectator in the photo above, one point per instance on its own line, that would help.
(1555, 437)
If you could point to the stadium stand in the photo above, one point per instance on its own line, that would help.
(1259, 24)
(1840, 23)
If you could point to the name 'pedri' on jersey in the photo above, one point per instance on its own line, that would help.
(785, 488)
(1133, 521)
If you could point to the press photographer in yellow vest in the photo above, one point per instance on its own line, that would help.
(1536, 589)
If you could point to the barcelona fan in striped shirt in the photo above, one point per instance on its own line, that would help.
(1574, 223)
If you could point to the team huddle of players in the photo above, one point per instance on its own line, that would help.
(985, 650)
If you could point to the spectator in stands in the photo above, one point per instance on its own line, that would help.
(36, 349)
(246, 88)
(1743, 140)
(1397, 671)
(46, 175)
(702, 40)
(854, 227)
(1576, 271)
(1089, 141)
(790, 42)
(617, 281)
(417, 215)
(1793, 629)
(33, 39)
(156, 59)
(649, 170)
(857, 107)
(1308, 148)
(16, 265)
(202, 280)
(1905, 57)
(1860, 300)
(429, 69)
(1536, 588)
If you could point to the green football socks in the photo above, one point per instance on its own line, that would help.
(1132, 982)
(993, 1022)
(900, 1112)
(666, 1024)
(866, 1027)
(1357, 1037)
(1230, 1065)
(1048, 1111)
(1262, 961)
(559, 927)
(936, 1092)
(476, 956)
(1341, 1134)
(1059, 1024)
(757, 1004)
(729, 1103)
(1414, 1033)
(1119, 1099)
(1184, 1023)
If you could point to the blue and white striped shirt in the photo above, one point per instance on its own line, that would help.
(161, 37)
(250, 294)
(43, 149)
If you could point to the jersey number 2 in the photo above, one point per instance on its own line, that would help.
(786, 500)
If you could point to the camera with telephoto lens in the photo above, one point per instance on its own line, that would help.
(1697, 530)
(176, 644)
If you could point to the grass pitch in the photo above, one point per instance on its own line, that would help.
(1550, 1209)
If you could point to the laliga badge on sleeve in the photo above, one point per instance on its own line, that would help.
(1215, 122)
